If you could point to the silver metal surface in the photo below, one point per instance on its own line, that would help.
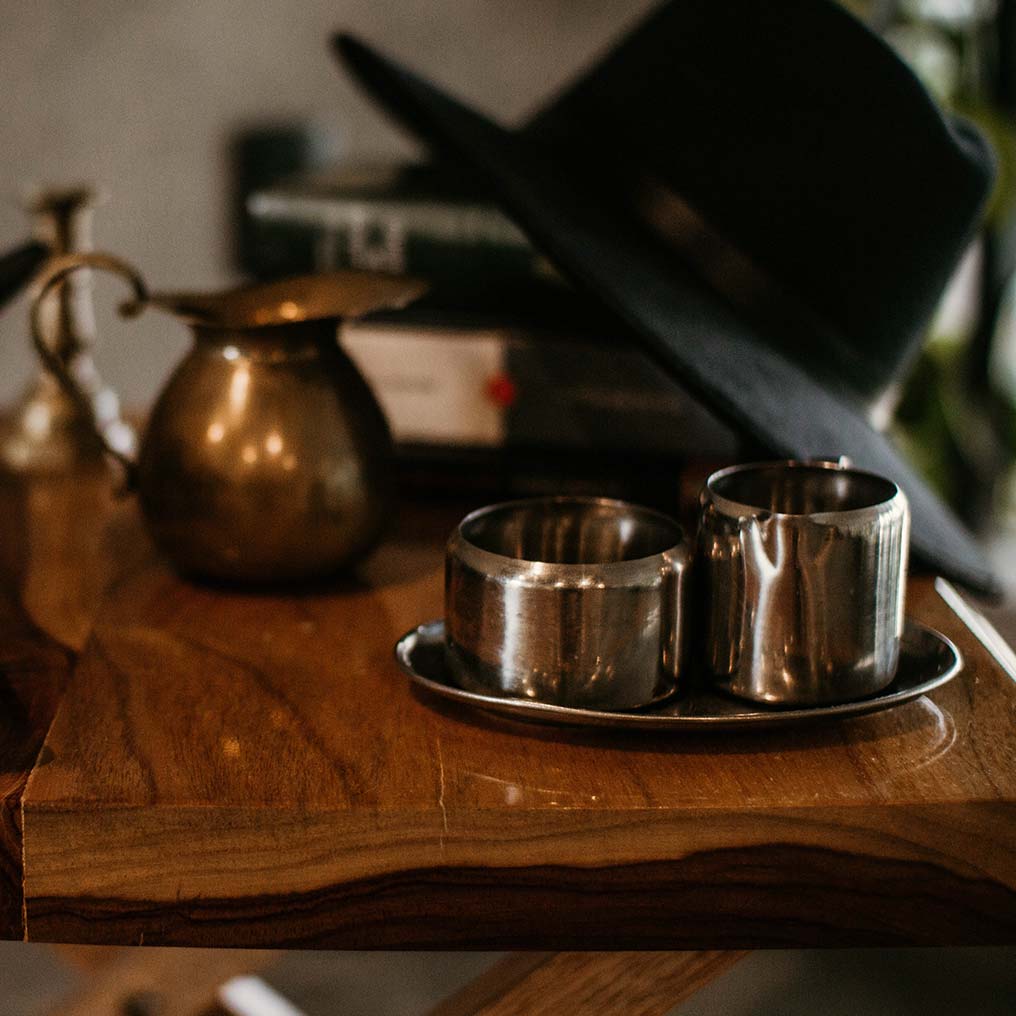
(803, 569)
(573, 601)
(927, 661)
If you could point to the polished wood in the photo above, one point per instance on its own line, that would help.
(980, 627)
(56, 559)
(79, 535)
(34, 669)
(588, 984)
(251, 769)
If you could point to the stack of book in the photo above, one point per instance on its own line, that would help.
(502, 377)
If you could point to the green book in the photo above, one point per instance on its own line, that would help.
(417, 219)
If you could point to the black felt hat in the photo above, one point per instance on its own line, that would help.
(769, 200)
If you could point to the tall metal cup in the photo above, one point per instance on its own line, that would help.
(567, 600)
(804, 573)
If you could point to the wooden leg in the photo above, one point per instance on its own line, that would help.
(160, 982)
(186, 982)
(588, 984)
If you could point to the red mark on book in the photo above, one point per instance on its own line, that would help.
(501, 390)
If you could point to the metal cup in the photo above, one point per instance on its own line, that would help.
(568, 600)
(804, 572)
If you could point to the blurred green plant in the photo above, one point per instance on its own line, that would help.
(956, 417)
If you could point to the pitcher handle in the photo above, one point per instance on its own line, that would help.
(55, 271)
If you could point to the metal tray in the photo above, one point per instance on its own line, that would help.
(927, 661)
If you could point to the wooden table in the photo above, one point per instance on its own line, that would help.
(202, 767)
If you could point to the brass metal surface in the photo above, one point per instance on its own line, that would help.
(266, 457)
(50, 430)
(332, 295)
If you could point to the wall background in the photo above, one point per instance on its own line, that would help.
(141, 96)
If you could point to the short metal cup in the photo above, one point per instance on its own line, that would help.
(804, 574)
(567, 600)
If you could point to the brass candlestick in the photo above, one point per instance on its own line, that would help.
(47, 431)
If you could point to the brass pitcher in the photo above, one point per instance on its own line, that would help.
(266, 457)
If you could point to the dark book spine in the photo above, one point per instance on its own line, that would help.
(445, 241)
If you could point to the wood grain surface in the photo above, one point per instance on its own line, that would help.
(61, 546)
(588, 984)
(34, 669)
(251, 769)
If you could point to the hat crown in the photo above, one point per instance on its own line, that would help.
(807, 151)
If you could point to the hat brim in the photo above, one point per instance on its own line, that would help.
(691, 332)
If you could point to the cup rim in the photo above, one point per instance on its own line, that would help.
(491, 561)
(741, 509)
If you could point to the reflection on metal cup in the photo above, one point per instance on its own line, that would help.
(804, 574)
(568, 600)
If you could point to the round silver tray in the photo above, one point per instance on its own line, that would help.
(927, 661)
